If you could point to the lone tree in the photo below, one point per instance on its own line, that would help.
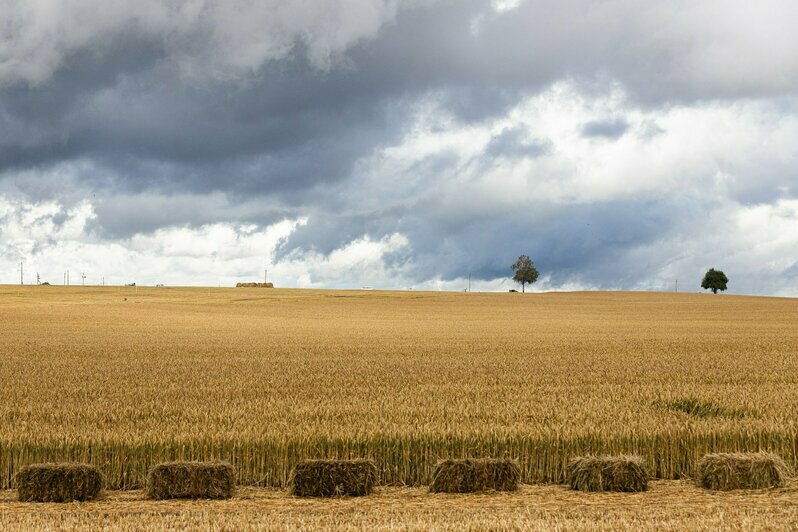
(714, 280)
(525, 271)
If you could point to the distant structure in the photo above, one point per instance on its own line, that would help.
(254, 285)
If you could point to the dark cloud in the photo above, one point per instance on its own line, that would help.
(608, 129)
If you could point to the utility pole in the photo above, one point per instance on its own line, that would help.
(677, 285)
(21, 272)
(82, 279)
(38, 279)
(265, 276)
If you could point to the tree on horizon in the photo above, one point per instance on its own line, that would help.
(525, 271)
(714, 280)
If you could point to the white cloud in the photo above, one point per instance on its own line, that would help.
(358, 263)
(717, 148)
(52, 239)
(505, 5)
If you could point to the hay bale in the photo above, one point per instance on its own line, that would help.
(333, 478)
(58, 482)
(191, 480)
(732, 471)
(465, 476)
(608, 473)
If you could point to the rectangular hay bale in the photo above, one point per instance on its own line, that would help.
(608, 473)
(731, 471)
(470, 475)
(191, 480)
(65, 482)
(333, 478)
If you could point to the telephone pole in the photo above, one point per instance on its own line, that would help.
(677, 285)
(21, 272)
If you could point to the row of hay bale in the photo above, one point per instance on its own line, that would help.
(717, 471)
(83, 482)
(336, 478)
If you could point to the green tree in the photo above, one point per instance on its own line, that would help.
(714, 280)
(525, 271)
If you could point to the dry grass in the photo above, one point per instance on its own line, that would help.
(191, 480)
(470, 475)
(58, 483)
(608, 473)
(267, 378)
(333, 478)
(733, 471)
(668, 505)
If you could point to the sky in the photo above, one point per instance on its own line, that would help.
(397, 144)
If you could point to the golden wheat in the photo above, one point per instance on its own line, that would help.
(125, 378)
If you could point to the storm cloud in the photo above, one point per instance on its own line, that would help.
(401, 143)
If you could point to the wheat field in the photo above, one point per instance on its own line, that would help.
(125, 377)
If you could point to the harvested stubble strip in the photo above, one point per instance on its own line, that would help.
(469, 475)
(333, 478)
(65, 482)
(731, 471)
(608, 473)
(191, 480)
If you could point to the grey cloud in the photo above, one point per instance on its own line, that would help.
(124, 216)
(216, 40)
(609, 129)
(590, 242)
(514, 143)
(118, 96)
